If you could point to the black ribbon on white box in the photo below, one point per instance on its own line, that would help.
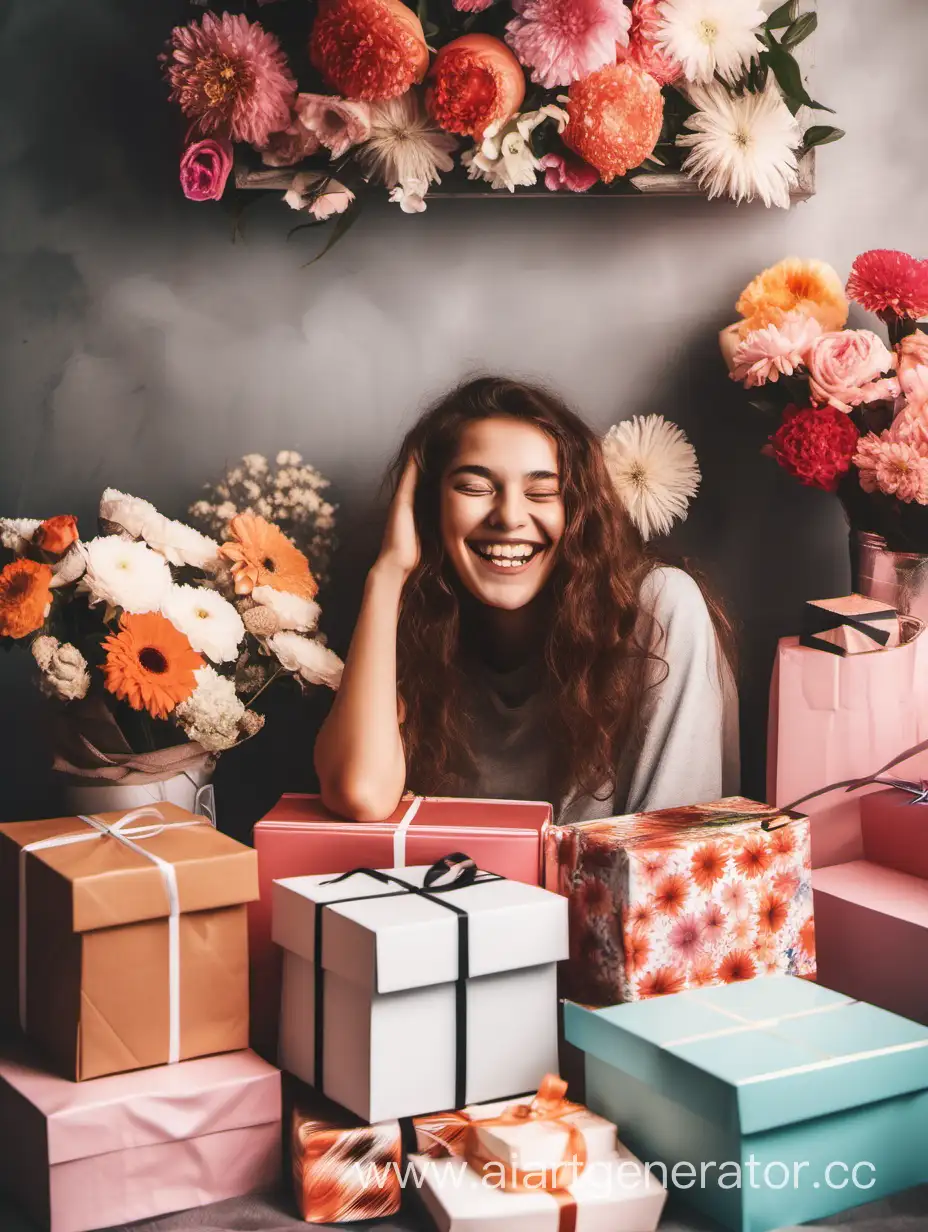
(462, 871)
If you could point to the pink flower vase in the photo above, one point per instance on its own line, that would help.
(898, 579)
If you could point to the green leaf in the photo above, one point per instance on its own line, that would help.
(780, 18)
(800, 29)
(345, 222)
(788, 75)
(820, 134)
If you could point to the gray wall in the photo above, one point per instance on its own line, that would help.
(141, 348)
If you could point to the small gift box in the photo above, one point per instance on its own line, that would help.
(344, 1170)
(77, 1156)
(414, 989)
(123, 938)
(683, 897)
(766, 1103)
(894, 828)
(301, 837)
(851, 624)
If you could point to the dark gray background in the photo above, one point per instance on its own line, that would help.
(142, 349)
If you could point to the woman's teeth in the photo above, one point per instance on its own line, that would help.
(505, 555)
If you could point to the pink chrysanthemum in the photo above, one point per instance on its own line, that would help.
(911, 426)
(890, 283)
(230, 75)
(643, 49)
(565, 40)
(767, 353)
(897, 468)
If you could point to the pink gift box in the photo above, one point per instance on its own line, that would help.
(871, 935)
(895, 831)
(300, 837)
(77, 1156)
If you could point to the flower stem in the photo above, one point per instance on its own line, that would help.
(270, 680)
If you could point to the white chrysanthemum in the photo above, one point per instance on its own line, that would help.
(125, 574)
(177, 543)
(63, 667)
(654, 469)
(16, 533)
(308, 658)
(743, 146)
(405, 146)
(710, 36)
(213, 713)
(292, 611)
(211, 623)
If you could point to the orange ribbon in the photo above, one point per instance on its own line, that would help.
(548, 1107)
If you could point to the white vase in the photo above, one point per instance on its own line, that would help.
(191, 790)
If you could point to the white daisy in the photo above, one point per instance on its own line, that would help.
(124, 574)
(211, 623)
(710, 36)
(213, 714)
(405, 146)
(307, 658)
(292, 611)
(654, 470)
(743, 146)
(177, 543)
(16, 533)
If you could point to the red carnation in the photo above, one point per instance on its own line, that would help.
(368, 49)
(890, 283)
(816, 445)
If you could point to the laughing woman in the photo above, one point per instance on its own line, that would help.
(517, 639)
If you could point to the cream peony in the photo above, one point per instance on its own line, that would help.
(63, 667)
(213, 714)
(211, 623)
(309, 659)
(177, 543)
(124, 574)
(292, 611)
(844, 367)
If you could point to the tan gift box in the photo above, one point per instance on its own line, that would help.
(134, 931)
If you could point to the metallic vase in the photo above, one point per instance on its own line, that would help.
(899, 579)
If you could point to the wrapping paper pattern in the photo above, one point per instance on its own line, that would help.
(661, 902)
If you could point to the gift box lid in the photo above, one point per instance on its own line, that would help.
(391, 939)
(431, 812)
(145, 1106)
(96, 881)
(756, 1055)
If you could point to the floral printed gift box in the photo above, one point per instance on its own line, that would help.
(682, 898)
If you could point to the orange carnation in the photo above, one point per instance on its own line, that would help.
(25, 597)
(262, 555)
(56, 534)
(475, 81)
(150, 664)
(616, 115)
(368, 49)
(793, 285)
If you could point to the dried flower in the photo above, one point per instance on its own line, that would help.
(405, 148)
(475, 81)
(615, 119)
(25, 597)
(335, 122)
(709, 37)
(654, 470)
(290, 146)
(229, 74)
(63, 667)
(124, 574)
(811, 287)
(564, 40)
(212, 715)
(149, 663)
(368, 49)
(775, 350)
(815, 445)
(261, 621)
(890, 283)
(210, 622)
(307, 658)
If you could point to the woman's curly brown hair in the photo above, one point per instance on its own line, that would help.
(597, 646)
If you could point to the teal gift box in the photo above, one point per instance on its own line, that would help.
(763, 1103)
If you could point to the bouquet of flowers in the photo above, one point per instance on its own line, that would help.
(349, 94)
(852, 410)
(155, 636)
(287, 492)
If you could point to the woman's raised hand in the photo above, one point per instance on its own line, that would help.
(400, 548)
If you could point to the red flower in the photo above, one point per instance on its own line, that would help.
(738, 965)
(475, 81)
(772, 913)
(807, 937)
(753, 859)
(783, 840)
(56, 534)
(670, 895)
(594, 898)
(368, 49)
(708, 864)
(640, 914)
(890, 283)
(637, 950)
(815, 445)
(661, 982)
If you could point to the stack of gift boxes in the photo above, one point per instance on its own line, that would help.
(405, 976)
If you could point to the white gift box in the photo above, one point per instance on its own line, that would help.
(617, 1194)
(535, 1145)
(381, 979)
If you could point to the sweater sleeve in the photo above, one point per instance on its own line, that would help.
(688, 753)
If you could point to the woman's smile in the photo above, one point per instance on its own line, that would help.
(507, 556)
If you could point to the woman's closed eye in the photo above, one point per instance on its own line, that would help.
(473, 489)
(541, 494)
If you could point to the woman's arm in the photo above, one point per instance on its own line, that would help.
(689, 749)
(359, 752)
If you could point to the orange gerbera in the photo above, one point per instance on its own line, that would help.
(708, 864)
(754, 858)
(738, 965)
(262, 555)
(671, 894)
(25, 597)
(637, 950)
(702, 973)
(661, 982)
(783, 840)
(639, 914)
(150, 664)
(772, 913)
(811, 287)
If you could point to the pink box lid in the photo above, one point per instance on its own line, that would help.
(879, 889)
(169, 1103)
(433, 811)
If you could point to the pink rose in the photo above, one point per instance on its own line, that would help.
(569, 173)
(204, 169)
(335, 122)
(844, 366)
(912, 367)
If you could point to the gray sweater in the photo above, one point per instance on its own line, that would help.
(689, 749)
